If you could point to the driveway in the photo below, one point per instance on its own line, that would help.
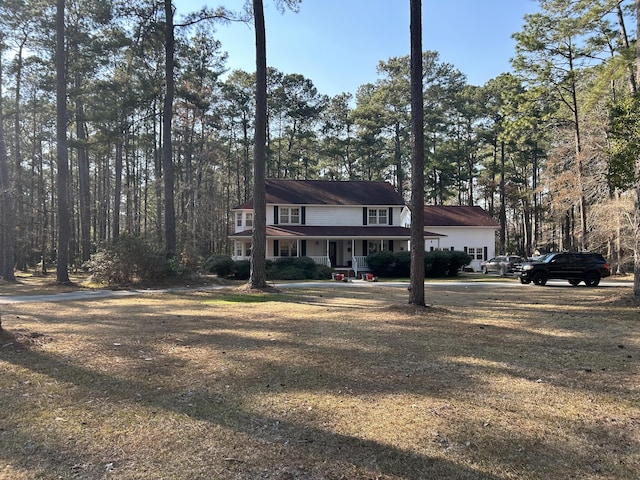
(98, 294)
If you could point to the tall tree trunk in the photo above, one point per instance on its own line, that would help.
(117, 193)
(584, 240)
(16, 180)
(398, 159)
(503, 207)
(625, 43)
(258, 275)
(7, 219)
(636, 233)
(83, 177)
(62, 155)
(167, 147)
(416, 289)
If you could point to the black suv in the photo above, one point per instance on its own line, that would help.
(575, 267)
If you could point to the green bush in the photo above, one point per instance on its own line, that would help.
(131, 260)
(323, 272)
(436, 264)
(403, 263)
(382, 264)
(296, 268)
(221, 265)
(241, 269)
(444, 263)
(459, 260)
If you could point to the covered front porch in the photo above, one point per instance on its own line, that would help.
(341, 252)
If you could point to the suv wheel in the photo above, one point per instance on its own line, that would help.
(524, 282)
(574, 282)
(592, 279)
(540, 278)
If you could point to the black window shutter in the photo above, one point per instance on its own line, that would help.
(390, 243)
(465, 250)
(275, 215)
(365, 248)
(486, 253)
(391, 216)
(365, 215)
(303, 248)
(303, 216)
(276, 248)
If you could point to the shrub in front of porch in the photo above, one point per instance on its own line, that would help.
(444, 263)
(297, 268)
(398, 264)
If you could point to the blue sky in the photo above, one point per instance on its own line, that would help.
(338, 43)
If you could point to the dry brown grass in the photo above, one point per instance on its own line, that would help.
(324, 383)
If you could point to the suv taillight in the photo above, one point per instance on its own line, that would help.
(606, 265)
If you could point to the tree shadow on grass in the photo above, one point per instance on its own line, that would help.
(321, 448)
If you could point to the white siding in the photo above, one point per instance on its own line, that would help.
(333, 215)
(461, 238)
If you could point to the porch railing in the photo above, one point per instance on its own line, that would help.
(359, 264)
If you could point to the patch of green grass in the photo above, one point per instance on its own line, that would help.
(247, 298)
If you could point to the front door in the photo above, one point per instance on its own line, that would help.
(333, 253)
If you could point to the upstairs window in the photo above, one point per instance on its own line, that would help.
(249, 220)
(378, 216)
(239, 219)
(290, 215)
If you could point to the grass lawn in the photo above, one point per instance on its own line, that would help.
(341, 382)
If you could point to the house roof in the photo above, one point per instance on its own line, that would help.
(336, 232)
(457, 216)
(327, 192)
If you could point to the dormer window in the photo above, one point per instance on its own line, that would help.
(378, 216)
(290, 215)
(248, 219)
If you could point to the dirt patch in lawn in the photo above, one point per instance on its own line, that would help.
(348, 382)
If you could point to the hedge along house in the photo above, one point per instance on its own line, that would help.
(336, 223)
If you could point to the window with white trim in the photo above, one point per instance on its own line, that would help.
(378, 216)
(248, 220)
(288, 248)
(289, 215)
(475, 253)
(239, 219)
(238, 249)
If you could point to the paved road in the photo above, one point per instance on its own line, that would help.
(98, 294)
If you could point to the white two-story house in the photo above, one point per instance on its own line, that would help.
(335, 223)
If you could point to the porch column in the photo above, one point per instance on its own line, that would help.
(328, 254)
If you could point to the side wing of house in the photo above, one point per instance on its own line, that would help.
(468, 229)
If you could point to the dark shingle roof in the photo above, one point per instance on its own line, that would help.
(326, 192)
(380, 231)
(457, 216)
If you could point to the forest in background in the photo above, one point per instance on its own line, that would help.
(548, 149)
